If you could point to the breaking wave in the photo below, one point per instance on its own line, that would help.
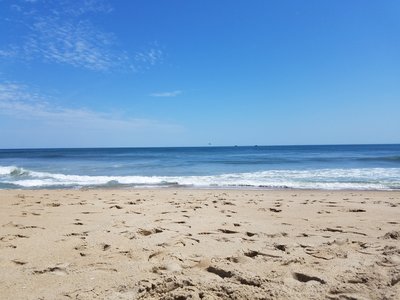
(356, 178)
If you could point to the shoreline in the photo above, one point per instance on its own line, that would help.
(178, 188)
(177, 243)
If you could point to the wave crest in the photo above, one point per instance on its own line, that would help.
(13, 171)
(368, 178)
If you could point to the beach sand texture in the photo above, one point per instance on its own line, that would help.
(199, 244)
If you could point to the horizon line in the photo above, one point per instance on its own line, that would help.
(204, 146)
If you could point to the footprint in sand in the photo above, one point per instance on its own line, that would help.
(19, 262)
(116, 206)
(11, 237)
(180, 222)
(254, 254)
(239, 277)
(146, 232)
(223, 273)
(168, 267)
(276, 210)
(228, 231)
(393, 235)
(356, 210)
(306, 278)
(165, 262)
(80, 234)
(58, 270)
(328, 251)
(281, 247)
(105, 247)
(20, 226)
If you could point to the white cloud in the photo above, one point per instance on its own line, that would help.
(166, 94)
(19, 101)
(87, 6)
(64, 34)
(8, 53)
(74, 43)
(150, 56)
(74, 7)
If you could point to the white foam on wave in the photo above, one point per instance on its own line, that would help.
(368, 178)
(7, 170)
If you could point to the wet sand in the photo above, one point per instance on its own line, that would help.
(199, 244)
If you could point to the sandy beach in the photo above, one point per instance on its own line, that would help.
(199, 244)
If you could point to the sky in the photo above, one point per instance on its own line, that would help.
(98, 73)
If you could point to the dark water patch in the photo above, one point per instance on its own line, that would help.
(395, 158)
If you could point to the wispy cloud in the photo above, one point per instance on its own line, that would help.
(166, 94)
(22, 102)
(8, 53)
(75, 43)
(87, 6)
(150, 56)
(63, 34)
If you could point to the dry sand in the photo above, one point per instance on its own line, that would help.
(199, 244)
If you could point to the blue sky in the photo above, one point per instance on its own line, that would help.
(97, 73)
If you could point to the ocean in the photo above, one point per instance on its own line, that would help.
(364, 167)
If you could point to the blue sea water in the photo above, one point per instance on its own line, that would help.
(374, 167)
